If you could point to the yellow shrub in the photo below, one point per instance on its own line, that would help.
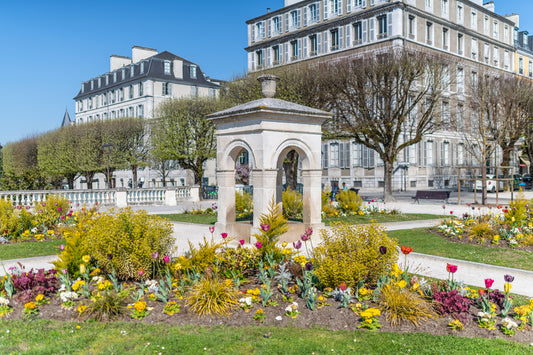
(293, 203)
(243, 204)
(49, 213)
(351, 253)
(517, 213)
(213, 296)
(125, 241)
(14, 220)
(349, 201)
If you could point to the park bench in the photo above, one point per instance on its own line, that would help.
(431, 195)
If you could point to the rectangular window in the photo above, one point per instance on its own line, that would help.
(260, 59)
(473, 20)
(521, 65)
(445, 39)
(276, 57)
(356, 154)
(294, 50)
(115, 77)
(358, 33)
(486, 53)
(382, 27)
(428, 153)
(506, 60)
(259, 31)
(459, 119)
(141, 111)
(192, 71)
(141, 92)
(121, 94)
(445, 8)
(411, 27)
(165, 89)
(334, 39)
(166, 64)
(460, 16)
(429, 33)
(142, 68)
(368, 157)
(429, 5)
(495, 28)
(460, 44)
(295, 19)
(212, 92)
(474, 78)
(130, 114)
(336, 7)
(460, 80)
(445, 114)
(276, 26)
(131, 91)
(486, 25)
(194, 91)
(460, 154)
(314, 13)
(530, 69)
(474, 49)
(506, 34)
(132, 71)
(99, 82)
(313, 44)
(334, 155)
(359, 4)
(445, 154)
(496, 56)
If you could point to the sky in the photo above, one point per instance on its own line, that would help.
(47, 48)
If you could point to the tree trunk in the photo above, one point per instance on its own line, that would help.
(506, 159)
(484, 184)
(89, 177)
(70, 181)
(387, 179)
(290, 166)
(134, 171)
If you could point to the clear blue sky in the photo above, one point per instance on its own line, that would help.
(47, 48)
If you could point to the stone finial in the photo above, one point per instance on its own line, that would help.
(268, 85)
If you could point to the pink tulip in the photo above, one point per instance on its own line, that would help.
(265, 227)
(166, 259)
(224, 235)
(258, 245)
(211, 229)
(488, 283)
(309, 231)
(241, 241)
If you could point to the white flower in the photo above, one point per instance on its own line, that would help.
(246, 301)
(4, 301)
(67, 296)
(292, 307)
(279, 318)
(98, 279)
(509, 323)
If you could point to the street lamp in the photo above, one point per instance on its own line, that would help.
(108, 148)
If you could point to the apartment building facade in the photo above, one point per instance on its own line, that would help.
(134, 87)
(469, 35)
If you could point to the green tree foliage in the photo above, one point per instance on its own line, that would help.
(56, 155)
(182, 133)
(20, 169)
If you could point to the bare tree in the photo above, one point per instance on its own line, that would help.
(376, 98)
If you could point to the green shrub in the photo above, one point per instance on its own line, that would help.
(243, 204)
(399, 304)
(351, 253)
(349, 201)
(293, 203)
(213, 296)
(49, 212)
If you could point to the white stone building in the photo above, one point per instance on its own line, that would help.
(134, 87)
(470, 35)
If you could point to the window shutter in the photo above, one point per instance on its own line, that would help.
(371, 158)
(269, 27)
(341, 155)
(253, 33)
(341, 37)
(299, 48)
(348, 36)
(326, 5)
(318, 11)
(299, 12)
(364, 32)
(442, 153)
(324, 156)
(287, 22)
(169, 89)
(371, 30)
(348, 6)
(347, 155)
(304, 42)
(304, 10)
(425, 154)
(252, 61)
(389, 24)
(268, 63)
(326, 47)
(340, 7)
(365, 151)
(319, 43)
(286, 45)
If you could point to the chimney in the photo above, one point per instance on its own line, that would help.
(140, 53)
(117, 62)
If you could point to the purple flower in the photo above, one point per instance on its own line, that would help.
(258, 245)
(304, 237)
(265, 227)
(297, 245)
(309, 231)
(155, 255)
(44, 204)
(383, 250)
(166, 259)
(109, 256)
(309, 266)
(59, 209)
(508, 278)
(61, 247)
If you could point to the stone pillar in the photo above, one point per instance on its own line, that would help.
(170, 197)
(312, 216)
(264, 190)
(226, 199)
(122, 198)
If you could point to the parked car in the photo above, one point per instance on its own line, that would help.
(491, 183)
(527, 181)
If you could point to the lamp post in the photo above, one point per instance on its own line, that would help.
(107, 150)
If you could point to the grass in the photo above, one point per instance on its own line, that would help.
(380, 218)
(55, 337)
(424, 241)
(29, 249)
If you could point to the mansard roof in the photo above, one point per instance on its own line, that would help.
(153, 69)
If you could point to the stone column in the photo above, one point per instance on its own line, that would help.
(264, 190)
(312, 198)
(226, 199)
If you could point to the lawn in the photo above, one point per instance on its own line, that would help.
(378, 217)
(54, 337)
(423, 241)
(29, 249)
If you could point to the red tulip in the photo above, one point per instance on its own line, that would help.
(343, 286)
(406, 250)
(488, 283)
(481, 292)
(451, 268)
(166, 259)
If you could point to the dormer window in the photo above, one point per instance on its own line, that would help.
(167, 67)
(99, 82)
(92, 84)
(142, 68)
(115, 77)
(132, 70)
(107, 79)
(192, 71)
(82, 87)
(123, 76)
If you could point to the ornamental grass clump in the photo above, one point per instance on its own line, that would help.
(105, 304)
(213, 296)
(351, 253)
(349, 201)
(292, 203)
(400, 304)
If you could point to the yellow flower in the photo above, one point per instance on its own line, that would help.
(78, 284)
(401, 284)
(140, 306)
(86, 259)
(81, 308)
(507, 287)
(363, 291)
(415, 286)
(30, 305)
(39, 297)
(259, 311)
(82, 268)
(284, 244)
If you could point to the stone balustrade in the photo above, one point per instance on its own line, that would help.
(169, 196)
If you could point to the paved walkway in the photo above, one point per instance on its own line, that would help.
(469, 272)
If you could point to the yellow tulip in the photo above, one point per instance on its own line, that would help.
(507, 287)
